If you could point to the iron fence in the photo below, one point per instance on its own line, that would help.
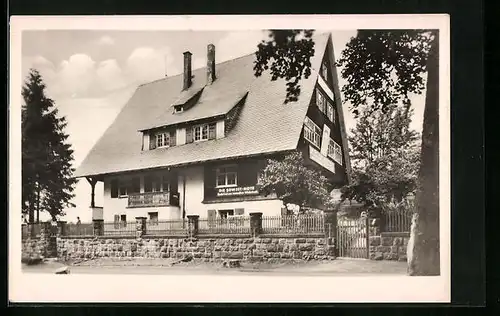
(167, 227)
(26, 230)
(120, 229)
(397, 220)
(83, 229)
(229, 225)
(293, 224)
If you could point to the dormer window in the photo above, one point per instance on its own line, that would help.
(162, 140)
(178, 108)
(201, 132)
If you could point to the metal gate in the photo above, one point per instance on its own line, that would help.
(353, 238)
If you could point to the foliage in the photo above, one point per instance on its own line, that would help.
(385, 157)
(287, 54)
(47, 182)
(294, 183)
(383, 67)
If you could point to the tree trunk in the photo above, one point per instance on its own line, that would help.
(423, 246)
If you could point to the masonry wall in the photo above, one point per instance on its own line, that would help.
(207, 249)
(33, 247)
(389, 246)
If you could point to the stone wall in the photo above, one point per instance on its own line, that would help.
(389, 246)
(33, 247)
(208, 249)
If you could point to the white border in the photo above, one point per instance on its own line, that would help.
(140, 288)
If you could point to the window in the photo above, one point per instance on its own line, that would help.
(120, 221)
(165, 183)
(320, 101)
(178, 108)
(312, 132)
(152, 184)
(153, 218)
(123, 188)
(324, 71)
(335, 151)
(135, 186)
(225, 213)
(226, 176)
(330, 112)
(114, 188)
(201, 132)
(163, 140)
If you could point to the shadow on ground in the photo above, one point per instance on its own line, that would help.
(339, 267)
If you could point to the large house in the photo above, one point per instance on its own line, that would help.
(195, 143)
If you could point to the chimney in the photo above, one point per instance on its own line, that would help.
(187, 70)
(210, 64)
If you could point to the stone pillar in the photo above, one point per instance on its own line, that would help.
(48, 240)
(193, 225)
(256, 223)
(140, 226)
(98, 227)
(61, 228)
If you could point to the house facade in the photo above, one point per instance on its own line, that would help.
(195, 143)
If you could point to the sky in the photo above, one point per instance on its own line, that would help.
(91, 74)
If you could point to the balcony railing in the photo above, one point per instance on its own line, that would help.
(148, 199)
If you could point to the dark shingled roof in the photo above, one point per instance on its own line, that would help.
(266, 124)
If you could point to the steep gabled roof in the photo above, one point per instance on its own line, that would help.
(266, 124)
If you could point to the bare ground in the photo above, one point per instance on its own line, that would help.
(338, 267)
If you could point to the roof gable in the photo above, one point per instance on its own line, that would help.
(266, 124)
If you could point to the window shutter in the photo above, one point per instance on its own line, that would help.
(189, 135)
(212, 131)
(211, 215)
(239, 211)
(173, 138)
(152, 141)
(114, 188)
(117, 221)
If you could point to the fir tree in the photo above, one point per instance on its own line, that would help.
(47, 183)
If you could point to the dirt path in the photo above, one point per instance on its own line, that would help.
(162, 267)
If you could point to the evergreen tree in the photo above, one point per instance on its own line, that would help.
(47, 183)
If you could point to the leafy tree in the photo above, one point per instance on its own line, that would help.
(294, 183)
(385, 157)
(287, 55)
(384, 67)
(47, 182)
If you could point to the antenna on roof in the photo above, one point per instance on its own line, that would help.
(165, 57)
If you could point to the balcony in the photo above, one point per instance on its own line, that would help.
(153, 199)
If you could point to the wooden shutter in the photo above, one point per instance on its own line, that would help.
(117, 221)
(212, 131)
(189, 135)
(114, 188)
(211, 215)
(152, 141)
(239, 211)
(173, 138)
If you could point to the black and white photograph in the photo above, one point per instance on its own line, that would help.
(229, 158)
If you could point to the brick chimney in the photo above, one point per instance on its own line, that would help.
(210, 64)
(187, 70)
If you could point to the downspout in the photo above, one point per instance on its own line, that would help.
(183, 196)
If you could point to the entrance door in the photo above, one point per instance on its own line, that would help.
(352, 238)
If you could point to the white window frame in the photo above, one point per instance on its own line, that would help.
(335, 151)
(312, 132)
(201, 127)
(330, 112)
(321, 101)
(165, 139)
(218, 173)
(324, 71)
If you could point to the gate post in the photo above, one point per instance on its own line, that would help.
(367, 223)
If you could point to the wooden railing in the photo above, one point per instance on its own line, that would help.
(153, 199)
